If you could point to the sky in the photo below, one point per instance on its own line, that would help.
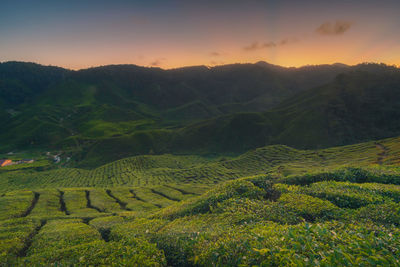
(175, 33)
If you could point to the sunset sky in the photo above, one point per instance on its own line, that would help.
(168, 34)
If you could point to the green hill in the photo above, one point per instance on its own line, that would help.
(150, 170)
(102, 114)
(356, 106)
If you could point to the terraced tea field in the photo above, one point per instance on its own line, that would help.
(272, 206)
(144, 171)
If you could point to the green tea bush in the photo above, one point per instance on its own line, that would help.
(136, 228)
(15, 204)
(265, 182)
(178, 237)
(342, 195)
(136, 252)
(208, 201)
(386, 213)
(106, 222)
(252, 210)
(328, 244)
(286, 188)
(75, 200)
(350, 174)
(61, 234)
(13, 235)
(385, 190)
(178, 248)
(308, 207)
(48, 205)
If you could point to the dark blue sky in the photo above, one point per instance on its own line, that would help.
(78, 34)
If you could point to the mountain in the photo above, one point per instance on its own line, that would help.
(101, 114)
(356, 106)
(21, 82)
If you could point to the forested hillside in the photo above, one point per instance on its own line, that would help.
(106, 113)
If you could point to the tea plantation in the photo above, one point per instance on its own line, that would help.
(273, 206)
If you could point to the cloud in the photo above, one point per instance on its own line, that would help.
(257, 46)
(157, 62)
(327, 28)
(215, 54)
(337, 28)
(252, 47)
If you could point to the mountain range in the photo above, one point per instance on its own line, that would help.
(102, 114)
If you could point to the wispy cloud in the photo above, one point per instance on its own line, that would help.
(334, 28)
(257, 45)
(215, 54)
(327, 28)
(157, 62)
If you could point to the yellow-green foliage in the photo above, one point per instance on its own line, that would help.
(104, 224)
(209, 200)
(306, 206)
(76, 203)
(101, 200)
(331, 207)
(328, 244)
(13, 235)
(128, 196)
(285, 188)
(48, 205)
(135, 228)
(345, 195)
(137, 252)
(386, 213)
(15, 204)
(356, 163)
(61, 234)
(149, 196)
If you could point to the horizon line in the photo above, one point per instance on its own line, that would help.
(203, 65)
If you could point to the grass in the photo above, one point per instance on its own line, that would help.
(271, 206)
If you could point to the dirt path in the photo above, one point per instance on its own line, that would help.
(29, 240)
(382, 154)
(33, 204)
(121, 203)
(164, 195)
(184, 192)
(63, 206)
(140, 199)
(89, 202)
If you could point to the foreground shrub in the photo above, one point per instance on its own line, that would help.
(328, 244)
(386, 213)
(207, 202)
(308, 207)
(355, 175)
(136, 252)
(344, 195)
(253, 210)
(136, 228)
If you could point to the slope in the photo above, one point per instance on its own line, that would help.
(357, 106)
(151, 170)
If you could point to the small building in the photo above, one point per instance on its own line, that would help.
(5, 162)
(56, 159)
